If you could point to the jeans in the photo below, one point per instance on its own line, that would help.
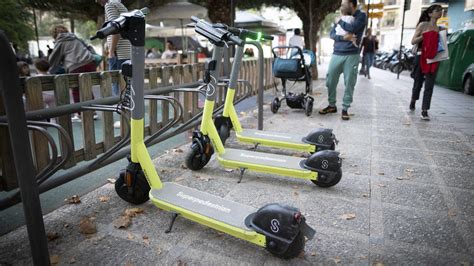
(348, 65)
(428, 79)
(115, 64)
(368, 62)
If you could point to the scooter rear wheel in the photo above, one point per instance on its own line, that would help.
(137, 193)
(295, 248)
(275, 105)
(325, 181)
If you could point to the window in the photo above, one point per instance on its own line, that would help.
(426, 2)
(389, 19)
(469, 5)
(391, 2)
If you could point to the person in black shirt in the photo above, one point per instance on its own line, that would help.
(369, 46)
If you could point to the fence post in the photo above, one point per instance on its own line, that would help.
(106, 91)
(85, 94)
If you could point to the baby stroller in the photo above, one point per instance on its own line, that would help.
(295, 66)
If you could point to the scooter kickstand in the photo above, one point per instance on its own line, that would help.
(242, 170)
(173, 218)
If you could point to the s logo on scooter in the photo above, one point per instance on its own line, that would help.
(325, 164)
(210, 90)
(274, 225)
(321, 139)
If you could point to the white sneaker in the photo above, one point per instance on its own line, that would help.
(117, 124)
(76, 118)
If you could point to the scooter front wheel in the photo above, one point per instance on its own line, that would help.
(326, 181)
(295, 248)
(195, 159)
(308, 107)
(137, 189)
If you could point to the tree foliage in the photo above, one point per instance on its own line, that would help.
(16, 22)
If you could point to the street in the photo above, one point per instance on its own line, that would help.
(406, 195)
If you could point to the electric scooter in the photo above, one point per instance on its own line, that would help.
(278, 228)
(323, 167)
(319, 139)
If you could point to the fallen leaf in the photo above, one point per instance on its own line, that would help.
(182, 263)
(73, 200)
(357, 173)
(313, 254)
(364, 257)
(353, 165)
(365, 195)
(104, 198)
(381, 173)
(52, 236)
(296, 194)
(348, 216)
(132, 212)
(183, 166)
(452, 213)
(66, 225)
(337, 260)
(158, 250)
(72, 260)
(382, 185)
(402, 178)
(407, 124)
(122, 222)
(163, 171)
(129, 236)
(54, 259)
(220, 233)
(458, 141)
(378, 264)
(295, 187)
(408, 170)
(111, 180)
(179, 179)
(178, 150)
(468, 152)
(146, 240)
(87, 226)
(128, 264)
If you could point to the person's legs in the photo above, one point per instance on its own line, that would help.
(350, 79)
(369, 63)
(428, 93)
(332, 79)
(113, 65)
(417, 83)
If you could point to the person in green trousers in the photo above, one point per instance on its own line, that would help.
(345, 58)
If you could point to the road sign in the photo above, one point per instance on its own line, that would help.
(407, 5)
(375, 14)
(373, 6)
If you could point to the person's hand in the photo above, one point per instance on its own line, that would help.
(350, 37)
(111, 53)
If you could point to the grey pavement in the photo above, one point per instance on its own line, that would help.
(408, 183)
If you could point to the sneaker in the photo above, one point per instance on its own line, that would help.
(117, 124)
(327, 110)
(76, 118)
(412, 106)
(345, 115)
(425, 116)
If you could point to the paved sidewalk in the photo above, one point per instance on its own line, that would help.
(407, 184)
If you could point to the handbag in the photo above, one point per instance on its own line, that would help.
(287, 68)
(97, 57)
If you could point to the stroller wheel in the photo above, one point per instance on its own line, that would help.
(308, 106)
(275, 105)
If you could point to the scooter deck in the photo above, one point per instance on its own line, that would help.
(266, 163)
(275, 140)
(202, 203)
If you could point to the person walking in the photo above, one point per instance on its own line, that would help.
(426, 40)
(369, 47)
(345, 58)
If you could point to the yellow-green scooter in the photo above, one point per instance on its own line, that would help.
(278, 228)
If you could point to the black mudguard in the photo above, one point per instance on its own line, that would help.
(280, 224)
(325, 162)
(322, 138)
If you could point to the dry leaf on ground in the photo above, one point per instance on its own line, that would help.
(52, 236)
(132, 212)
(348, 216)
(381, 173)
(54, 259)
(72, 260)
(382, 185)
(122, 222)
(365, 195)
(73, 200)
(158, 250)
(87, 226)
(183, 166)
(337, 260)
(130, 236)
(402, 178)
(178, 150)
(452, 213)
(178, 179)
(104, 198)
(111, 180)
(357, 173)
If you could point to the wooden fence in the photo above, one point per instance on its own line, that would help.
(97, 137)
